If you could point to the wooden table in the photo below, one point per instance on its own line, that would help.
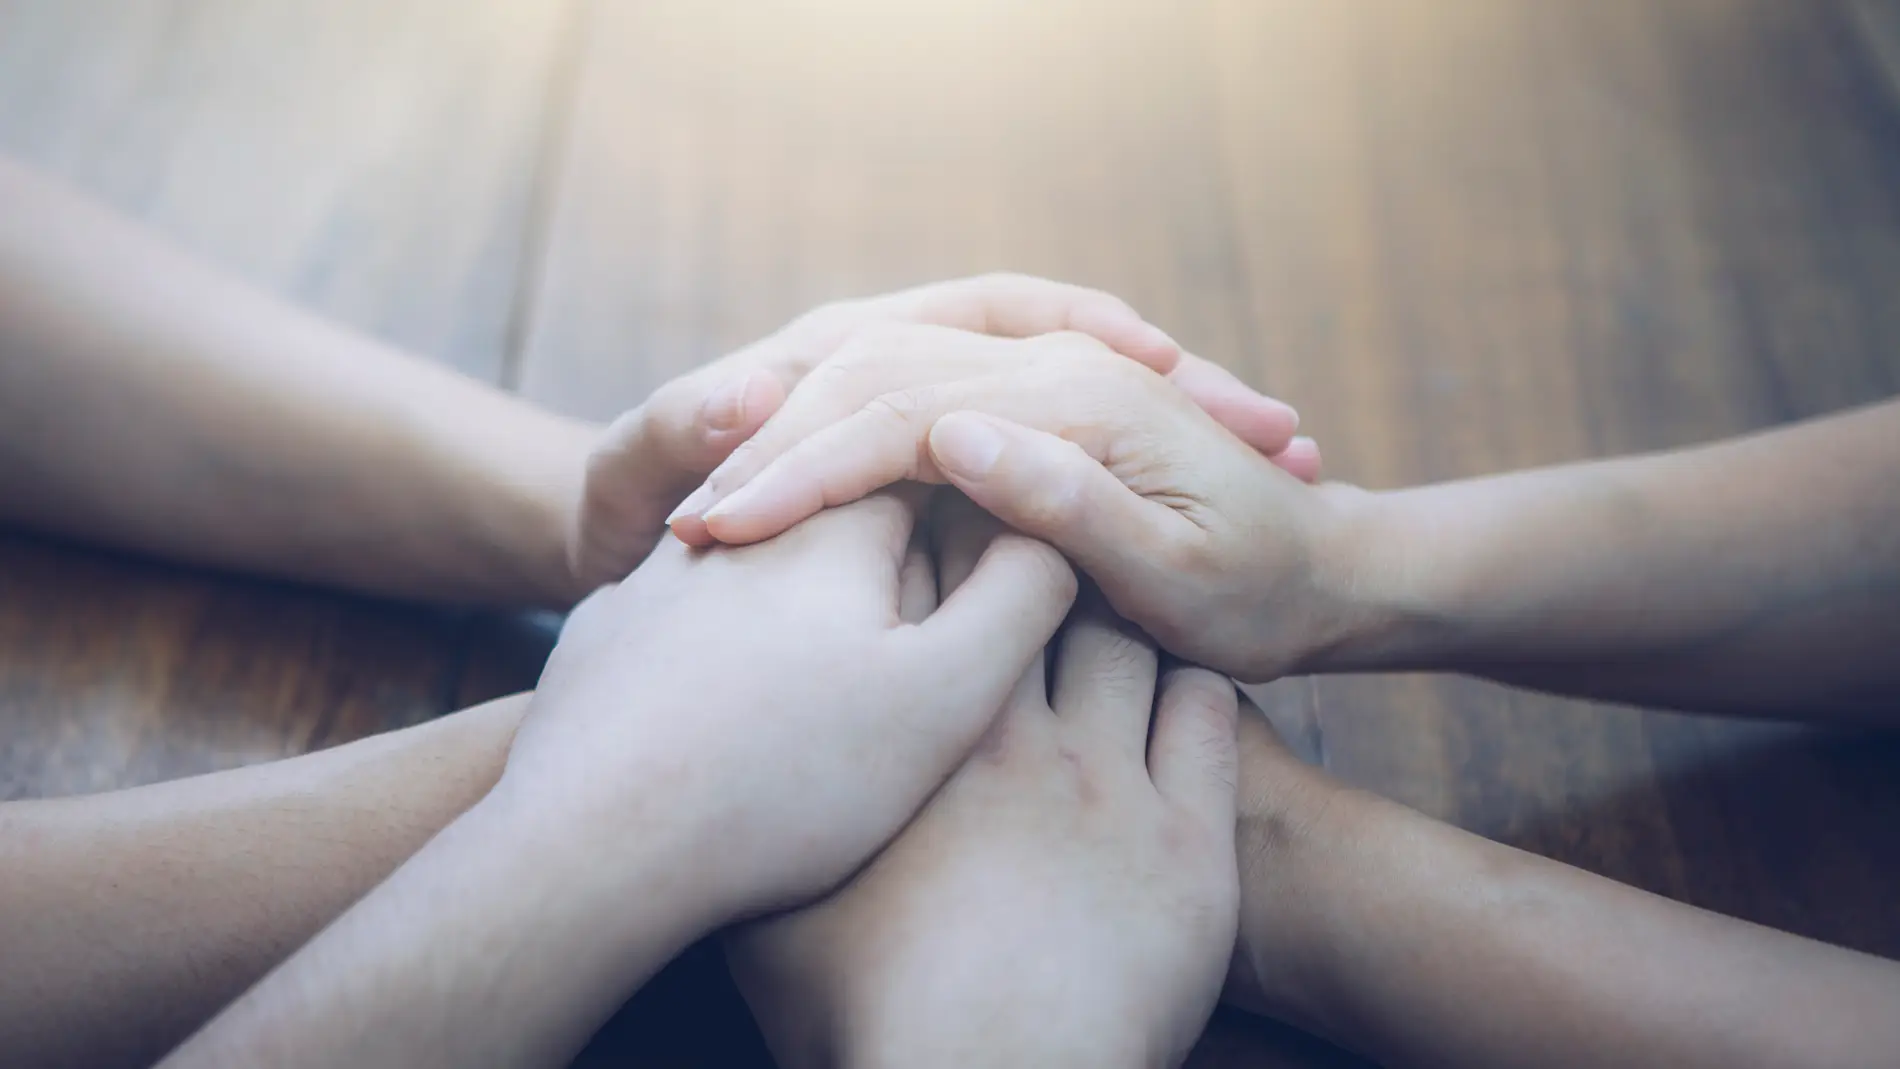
(1463, 236)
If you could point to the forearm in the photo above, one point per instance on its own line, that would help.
(1760, 575)
(130, 918)
(150, 402)
(1422, 945)
(503, 942)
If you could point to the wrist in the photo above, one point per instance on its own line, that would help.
(630, 890)
(548, 482)
(1305, 842)
(1378, 571)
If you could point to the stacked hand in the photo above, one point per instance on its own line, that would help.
(1225, 555)
(1068, 898)
(735, 730)
(648, 460)
(770, 708)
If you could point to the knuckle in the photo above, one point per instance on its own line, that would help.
(1057, 509)
(1121, 654)
(901, 407)
(867, 347)
(1064, 500)
(1202, 693)
(1215, 752)
(836, 371)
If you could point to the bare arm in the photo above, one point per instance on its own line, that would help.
(1422, 945)
(150, 402)
(1760, 575)
(130, 918)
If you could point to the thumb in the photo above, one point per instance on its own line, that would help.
(651, 456)
(689, 425)
(674, 440)
(987, 633)
(1049, 488)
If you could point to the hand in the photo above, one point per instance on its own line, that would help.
(765, 713)
(647, 461)
(889, 364)
(1068, 897)
(1225, 558)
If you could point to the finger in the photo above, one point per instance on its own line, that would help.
(961, 533)
(1193, 756)
(1048, 488)
(1263, 422)
(877, 362)
(881, 444)
(690, 427)
(1105, 678)
(917, 580)
(988, 634)
(887, 441)
(1024, 306)
(1299, 459)
(867, 541)
(687, 427)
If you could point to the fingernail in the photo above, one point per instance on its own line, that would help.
(691, 506)
(1292, 414)
(736, 502)
(724, 408)
(966, 443)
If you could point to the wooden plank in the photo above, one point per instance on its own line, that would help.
(376, 161)
(1498, 234)
(1878, 23)
(725, 173)
(1463, 236)
(116, 672)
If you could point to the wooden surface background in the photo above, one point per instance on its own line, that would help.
(1462, 235)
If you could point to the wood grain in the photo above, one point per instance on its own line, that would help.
(1463, 236)
(376, 161)
(1556, 231)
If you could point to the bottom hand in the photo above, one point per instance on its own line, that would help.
(1068, 897)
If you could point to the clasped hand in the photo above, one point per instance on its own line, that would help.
(801, 723)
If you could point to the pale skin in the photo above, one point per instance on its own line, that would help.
(1759, 576)
(149, 402)
(533, 547)
(587, 867)
(1067, 898)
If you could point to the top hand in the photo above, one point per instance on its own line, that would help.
(654, 454)
(1218, 553)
